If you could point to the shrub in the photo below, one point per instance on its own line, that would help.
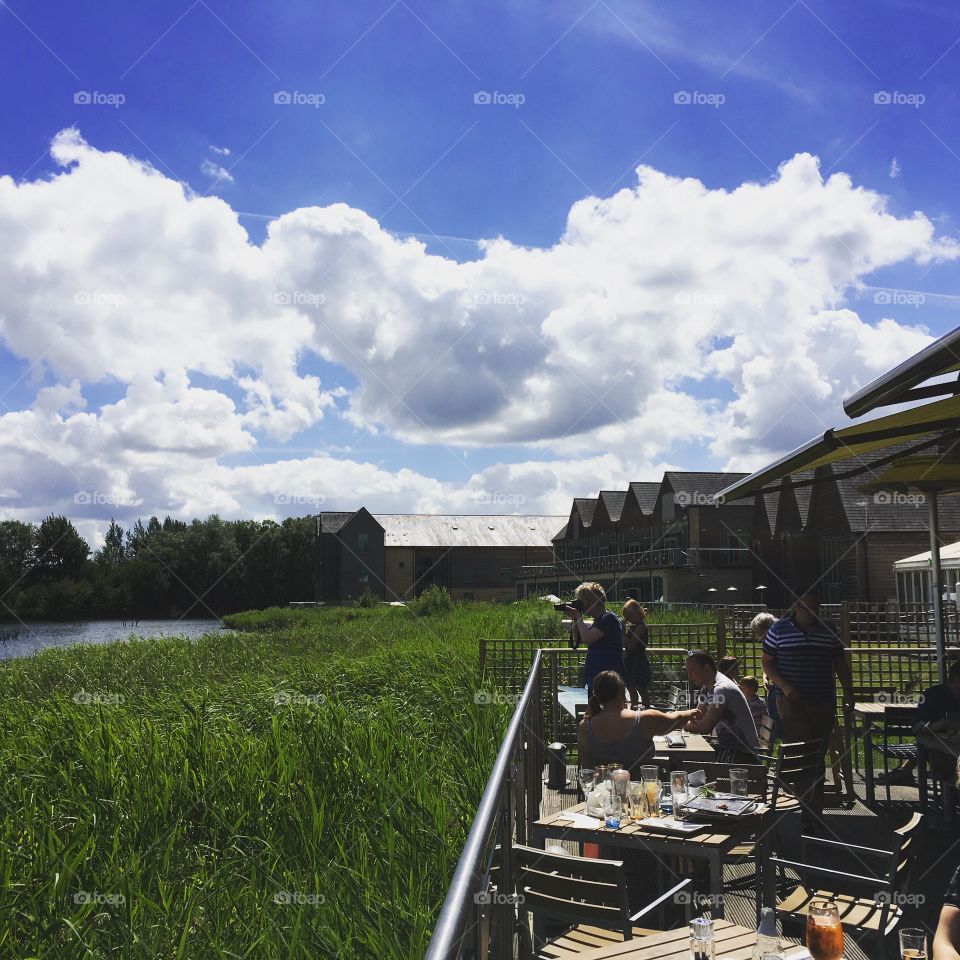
(433, 601)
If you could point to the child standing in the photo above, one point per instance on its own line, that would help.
(749, 687)
(637, 672)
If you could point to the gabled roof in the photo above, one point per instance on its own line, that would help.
(561, 533)
(645, 492)
(771, 502)
(612, 502)
(331, 521)
(585, 507)
(467, 530)
(700, 487)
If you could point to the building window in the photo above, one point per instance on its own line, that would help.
(505, 571)
(363, 542)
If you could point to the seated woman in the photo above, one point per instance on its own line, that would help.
(611, 733)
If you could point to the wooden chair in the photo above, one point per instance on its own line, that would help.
(794, 762)
(587, 896)
(765, 738)
(867, 903)
(897, 728)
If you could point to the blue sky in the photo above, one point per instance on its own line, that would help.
(587, 93)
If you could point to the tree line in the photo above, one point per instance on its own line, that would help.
(167, 568)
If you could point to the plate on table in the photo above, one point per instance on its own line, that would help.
(724, 806)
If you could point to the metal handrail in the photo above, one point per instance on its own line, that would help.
(452, 924)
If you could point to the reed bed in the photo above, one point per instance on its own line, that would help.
(299, 789)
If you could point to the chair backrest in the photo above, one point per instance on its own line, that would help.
(756, 774)
(905, 839)
(765, 733)
(899, 721)
(573, 889)
(797, 762)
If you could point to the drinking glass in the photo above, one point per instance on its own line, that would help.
(679, 791)
(613, 812)
(913, 944)
(739, 781)
(587, 778)
(638, 804)
(649, 773)
(824, 932)
(620, 780)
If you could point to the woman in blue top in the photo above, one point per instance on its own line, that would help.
(604, 638)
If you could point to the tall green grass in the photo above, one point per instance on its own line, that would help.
(299, 789)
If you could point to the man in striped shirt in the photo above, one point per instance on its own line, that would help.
(804, 658)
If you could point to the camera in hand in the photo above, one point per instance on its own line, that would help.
(576, 604)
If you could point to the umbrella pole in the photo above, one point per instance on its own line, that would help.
(935, 575)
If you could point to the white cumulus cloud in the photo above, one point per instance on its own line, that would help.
(669, 313)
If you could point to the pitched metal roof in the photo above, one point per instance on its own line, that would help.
(467, 530)
(561, 533)
(646, 493)
(902, 384)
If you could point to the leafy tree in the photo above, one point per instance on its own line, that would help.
(61, 551)
(113, 552)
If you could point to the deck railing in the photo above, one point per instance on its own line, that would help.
(478, 919)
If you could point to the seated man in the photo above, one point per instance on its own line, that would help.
(932, 712)
(726, 709)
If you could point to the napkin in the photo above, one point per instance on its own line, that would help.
(588, 823)
(697, 778)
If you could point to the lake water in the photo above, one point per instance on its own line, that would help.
(19, 641)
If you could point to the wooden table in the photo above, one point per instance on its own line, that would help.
(948, 744)
(570, 697)
(697, 748)
(732, 941)
(711, 844)
(868, 713)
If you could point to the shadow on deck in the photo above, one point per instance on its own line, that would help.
(938, 855)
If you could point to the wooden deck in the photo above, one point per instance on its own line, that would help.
(938, 857)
